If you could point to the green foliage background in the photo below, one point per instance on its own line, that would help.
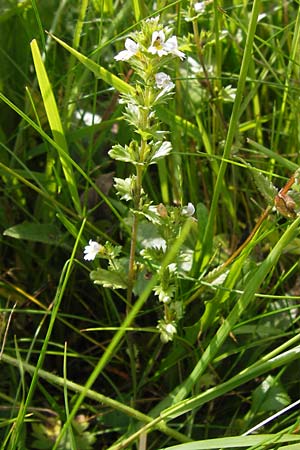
(66, 378)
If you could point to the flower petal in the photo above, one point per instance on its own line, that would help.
(91, 250)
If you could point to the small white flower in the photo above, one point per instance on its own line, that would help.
(165, 295)
(167, 331)
(199, 7)
(261, 17)
(91, 250)
(133, 110)
(157, 43)
(228, 94)
(163, 81)
(131, 49)
(152, 19)
(188, 210)
(170, 329)
(87, 117)
(172, 47)
(160, 47)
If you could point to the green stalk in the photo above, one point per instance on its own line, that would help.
(71, 88)
(137, 206)
(132, 254)
(95, 396)
(243, 377)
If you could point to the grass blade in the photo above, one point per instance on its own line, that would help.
(233, 127)
(99, 71)
(55, 122)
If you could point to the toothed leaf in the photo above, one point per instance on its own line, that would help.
(265, 186)
(108, 279)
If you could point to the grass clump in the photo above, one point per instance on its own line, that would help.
(150, 215)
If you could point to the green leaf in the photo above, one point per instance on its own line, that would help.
(263, 184)
(55, 122)
(234, 442)
(121, 153)
(269, 396)
(202, 217)
(35, 232)
(99, 71)
(161, 150)
(108, 279)
(125, 187)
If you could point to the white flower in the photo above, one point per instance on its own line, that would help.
(131, 49)
(164, 295)
(87, 117)
(92, 250)
(172, 47)
(170, 329)
(152, 19)
(167, 331)
(160, 47)
(188, 210)
(261, 17)
(163, 81)
(199, 7)
(229, 93)
(157, 43)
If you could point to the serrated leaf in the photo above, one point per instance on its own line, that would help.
(161, 151)
(124, 187)
(265, 186)
(108, 279)
(150, 238)
(295, 195)
(121, 153)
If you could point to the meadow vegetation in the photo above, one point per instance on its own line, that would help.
(150, 210)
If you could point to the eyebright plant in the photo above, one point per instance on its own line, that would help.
(154, 228)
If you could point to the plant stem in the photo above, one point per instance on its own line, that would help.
(134, 230)
(132, 268)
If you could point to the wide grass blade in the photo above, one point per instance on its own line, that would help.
(98, 70)
(236, 442)
(55, 122)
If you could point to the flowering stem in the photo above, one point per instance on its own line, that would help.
(131, 270)
(137, 207)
